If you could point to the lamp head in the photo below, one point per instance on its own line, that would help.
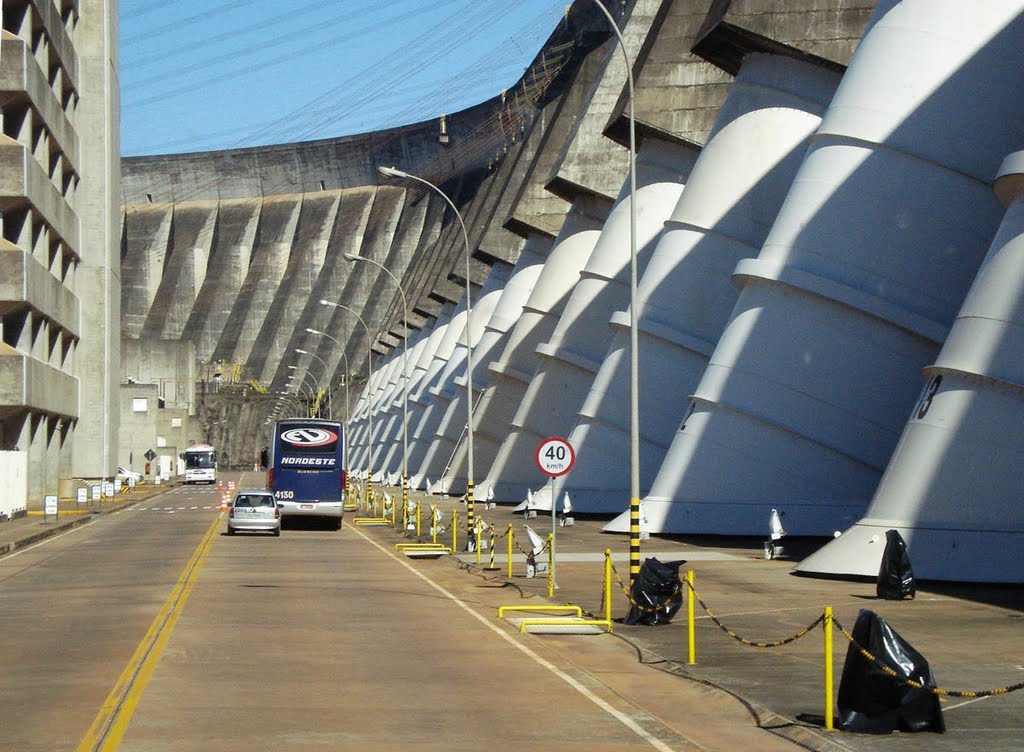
(391, 172)
(324, 302)
(302, 352)
(350, 256)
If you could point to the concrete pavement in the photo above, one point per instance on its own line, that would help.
(971, 635)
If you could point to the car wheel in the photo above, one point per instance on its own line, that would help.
(231, 530)
(277, 533)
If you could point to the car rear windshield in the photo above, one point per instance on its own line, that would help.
(255, 501)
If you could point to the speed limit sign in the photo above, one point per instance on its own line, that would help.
(555, 457)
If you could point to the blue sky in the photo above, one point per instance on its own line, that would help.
(198, 75)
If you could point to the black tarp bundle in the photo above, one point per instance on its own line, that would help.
(873, 702)
(895, 575)
(656, 594)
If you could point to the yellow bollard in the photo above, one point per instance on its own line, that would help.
(455, 530)
(405, 497)
(827, 625)
(476, 537)
(691, 635)
(608, 587)
(551, 567)
(510, 550)
(418, 508)
(433, 523)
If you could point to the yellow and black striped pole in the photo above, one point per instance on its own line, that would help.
(634, 539)
(470, 515)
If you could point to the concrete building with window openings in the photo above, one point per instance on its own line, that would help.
(59, 279)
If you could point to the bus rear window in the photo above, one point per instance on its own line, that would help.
(309, 440)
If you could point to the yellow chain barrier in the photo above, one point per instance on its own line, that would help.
(917, 685)
(743, 640)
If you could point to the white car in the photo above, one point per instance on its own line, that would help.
(254, 511)
(128, 477)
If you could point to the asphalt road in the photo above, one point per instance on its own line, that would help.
(149, 630)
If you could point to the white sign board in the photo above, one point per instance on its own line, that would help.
(82, 494)
(95, 493)
(555, 457)
(49, 505)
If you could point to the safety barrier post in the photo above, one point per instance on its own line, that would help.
(608, 587)
(490, 555)
(455, 529)
(827, 626)
(394, 512)
(551, 566)
(476, 536)
(405, 495)
(509, 550)
(433, 523)
(418, 517)
(690, 634)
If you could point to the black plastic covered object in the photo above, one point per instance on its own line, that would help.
(873, 702)
(895, 575)
(656, 594)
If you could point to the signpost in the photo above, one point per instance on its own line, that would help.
(50, 507)
(555, 457)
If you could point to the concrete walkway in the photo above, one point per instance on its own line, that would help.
(972, 635)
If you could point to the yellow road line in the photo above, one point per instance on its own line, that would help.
(112, 721)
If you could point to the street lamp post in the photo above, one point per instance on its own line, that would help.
(405, 374)
(634, 315)
(304, 352)
(392, 172)
(303, 388)
(289, 395)
(369, 371)
(348, 373)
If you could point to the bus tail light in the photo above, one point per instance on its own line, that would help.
(270, 479)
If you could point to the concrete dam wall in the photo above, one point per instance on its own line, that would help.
(818, 244)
